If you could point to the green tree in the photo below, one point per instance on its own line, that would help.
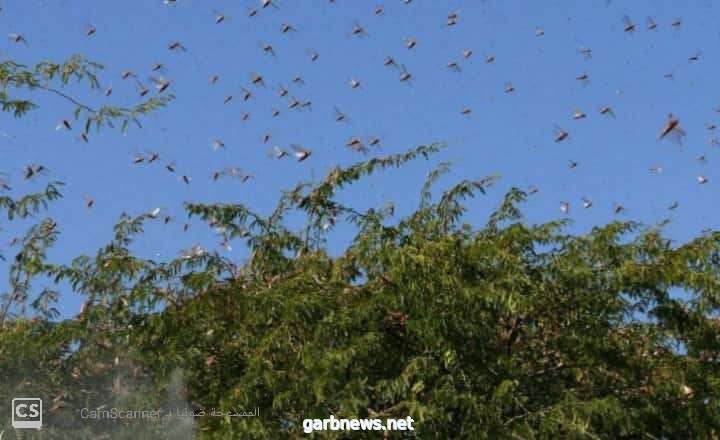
(494, 329)
(498, 330)
(32, 345)
(17, 81)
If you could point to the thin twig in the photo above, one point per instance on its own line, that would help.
(66, 96)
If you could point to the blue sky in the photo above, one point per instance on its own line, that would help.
(510, 134)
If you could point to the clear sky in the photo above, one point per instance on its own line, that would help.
(510, 134)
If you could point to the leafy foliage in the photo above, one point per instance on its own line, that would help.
(494, 330)
(46, 75)
(504, 330)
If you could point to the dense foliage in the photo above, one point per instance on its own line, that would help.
(502, 330)
(495, 329)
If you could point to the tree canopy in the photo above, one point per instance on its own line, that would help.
(501, 329)
(492, 328)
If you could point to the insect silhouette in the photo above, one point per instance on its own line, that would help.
(356, 144)
(268, 49)
(4, 185)
(452, 18)
(560, 134)
(17, 38)
(405, 76)
(257, 80)
(340, 116)
(651, 24)
(301, 154)
(176, 45)
(161, 84)
(285, 28)
(278, 152)
(359, 31)
(672, 129)
(32, 171)
(628, 25)
(217, 144)
(453, 65)
(294, 103)
(64, 125)
(142, 90)
(607, 111)
(89, 202)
